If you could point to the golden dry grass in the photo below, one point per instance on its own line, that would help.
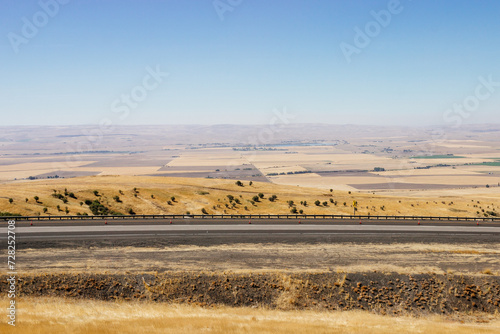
(57, 315)
(470, 259)
(193, 195)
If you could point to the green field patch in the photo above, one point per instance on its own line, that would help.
(438, 156)
(488, 163)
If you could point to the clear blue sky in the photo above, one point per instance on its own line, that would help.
(263, 55)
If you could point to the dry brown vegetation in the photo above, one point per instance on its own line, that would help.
(153, 195)
(60, 315)
(384, 293)
(164, 254)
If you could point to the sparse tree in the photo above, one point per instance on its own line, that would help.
(131, 212)
(67, 210)
(255, 198)
(36, 198)
(172, 198)
(239, 183)
(261, 195)
(293, 210)
(204, 211)
(27, 200)
(45, 210)
(96, 193)
(11, 200)
(317, 202)
(325, 203)
(250, 183)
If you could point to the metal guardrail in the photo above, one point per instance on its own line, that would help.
(274, 216)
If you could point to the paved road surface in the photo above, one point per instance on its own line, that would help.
(134, 229)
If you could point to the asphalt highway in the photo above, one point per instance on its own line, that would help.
(95, 229)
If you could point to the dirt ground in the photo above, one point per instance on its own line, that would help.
(296, 254)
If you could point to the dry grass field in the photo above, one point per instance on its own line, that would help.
(245, 257)
(59, 315)
(153, 195)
